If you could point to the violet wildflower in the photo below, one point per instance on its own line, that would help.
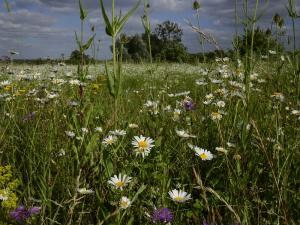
(21, 214)
(188, 104)
(163, 215)
(29, 116)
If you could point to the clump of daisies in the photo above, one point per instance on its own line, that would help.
(142, 145)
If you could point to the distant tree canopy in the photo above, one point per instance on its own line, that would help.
(263, 42)
(168, 32)
(75, 57)
(165, 44)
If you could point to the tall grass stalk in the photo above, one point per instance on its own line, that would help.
(114, 27)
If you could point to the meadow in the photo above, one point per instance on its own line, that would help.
(185, 146)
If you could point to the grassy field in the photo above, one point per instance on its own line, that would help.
(234, 158)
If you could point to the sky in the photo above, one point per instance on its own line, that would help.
(46, 28)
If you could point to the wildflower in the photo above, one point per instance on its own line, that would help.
(176, 114)
(221, 104)
(118, 132)
(84, 130)
(28, 117)
(216, 116)
(85, 191)
(109, 140)
(188, 103)
(201, 82)
(184, 134)
(278, 96)
(163, 215)
(203, 154)
(209, 99)
(3, 195)
(124, 202)
(21, 214)
(133, 125)
(119, 182)
(179, 196)
(75, 82)
(142, 145)
(70, 134)
(272, 52)
(230, 145)
(222, 150)
(296, 112)
(152, 106)
(99, 129)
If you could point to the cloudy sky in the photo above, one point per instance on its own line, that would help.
(41, 28)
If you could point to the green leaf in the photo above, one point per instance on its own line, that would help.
(93, 144)
(158, 142)
(141, 189)
(78, 41)
(83, 12)
(122, 22)
(109, 28)
(130, 222)
(110, 81)
(89, 42)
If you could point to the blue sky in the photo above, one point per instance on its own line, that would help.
(41, 28)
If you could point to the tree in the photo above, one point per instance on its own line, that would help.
(168, 31)
(134, 47)
(263, 42)
(75, 57)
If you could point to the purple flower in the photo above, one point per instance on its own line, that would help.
(188, 104)
(163, 215)
(21, 213)
(34, 210)
(29, 116)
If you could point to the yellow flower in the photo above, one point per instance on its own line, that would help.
(8, 88)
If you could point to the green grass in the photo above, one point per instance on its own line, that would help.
(256, 182)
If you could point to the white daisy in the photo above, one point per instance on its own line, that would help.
(133, 125)
(85, 191)
(84, 130)
(98, 129)
(179, 196)
(109, 140)
(70, 134)
(203, 154)
(216, 116)
(118, 132)
(119, 182)
(222, 150)
(184, 134)
(124, 202)
(142, 145)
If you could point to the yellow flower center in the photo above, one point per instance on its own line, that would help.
(110, 141)
(123, 204)
(203, 156)
(178, 198)
(119, 184)
(142, 144)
